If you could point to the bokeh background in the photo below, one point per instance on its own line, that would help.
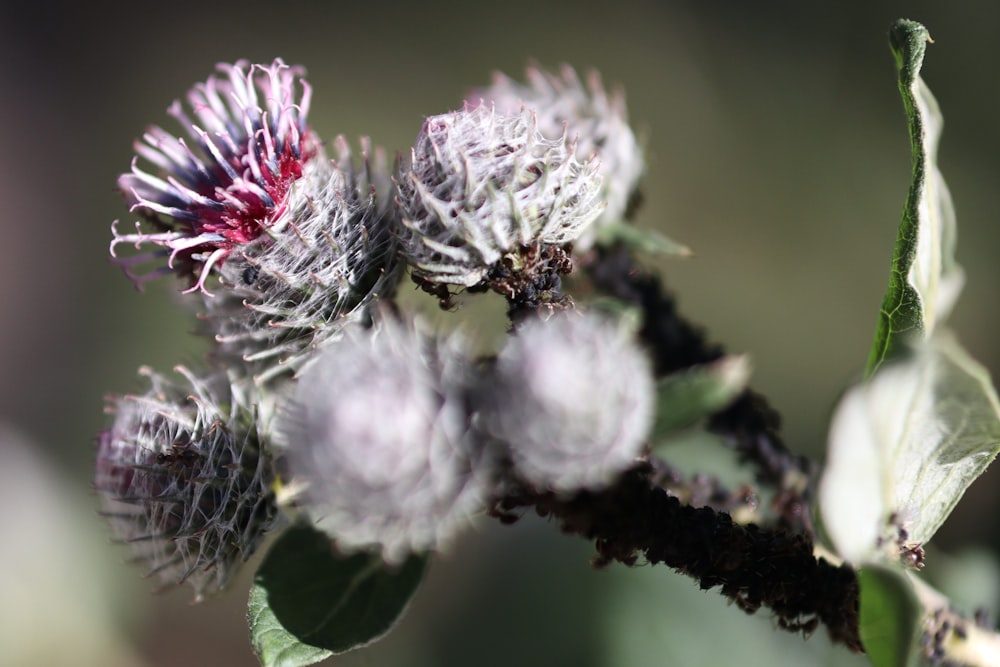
(777, 150)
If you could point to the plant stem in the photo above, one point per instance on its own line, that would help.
(755, 567)
(749, 425)
(950, 638)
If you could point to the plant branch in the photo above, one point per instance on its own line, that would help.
(948, 638)
(749, 425)
(755, 567)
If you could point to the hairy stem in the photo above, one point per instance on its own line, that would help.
(754, 567)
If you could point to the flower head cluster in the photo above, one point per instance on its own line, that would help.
(572, 400)
(392, 438)
(330, 254)
(184, 482)
(228, 181)
(481, 184)
(596, 120)
(379, 434)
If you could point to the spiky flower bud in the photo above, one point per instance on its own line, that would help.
(482, 185)
(248, 143)
(329, 255)
(183, 481)
(379, 438)
(597, 120)
(572, 400)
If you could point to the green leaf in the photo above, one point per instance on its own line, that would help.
(641, 239)
(274, 645)
(889, 617)
(308, 603)
(925, 280)
(905, 445)
(684, 397)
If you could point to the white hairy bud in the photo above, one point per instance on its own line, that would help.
(573, 401)
(597, 120)
(379, 438)
(481, 184)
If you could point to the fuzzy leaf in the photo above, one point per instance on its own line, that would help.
(308, 603)
(925, 280)
(684, 397)
(889, 617)
(906, 444)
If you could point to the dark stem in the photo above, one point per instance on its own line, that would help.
(641, 517)
(749, 425)
(703, 490)
(755, 567)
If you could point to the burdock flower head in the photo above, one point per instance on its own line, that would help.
(597, 120)
(380, 440)
(482, 187)
(288, 291)
(572, 400)
(228, 181)
(184, 481)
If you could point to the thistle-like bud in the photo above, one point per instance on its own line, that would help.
(184, 481)
(572, 400)
(329, 255)
(598, 121)
(379, 439)
(482, 186)
(248, 144)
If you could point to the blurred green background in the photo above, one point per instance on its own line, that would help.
(777, 150)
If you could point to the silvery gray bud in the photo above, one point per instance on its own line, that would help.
(378, 437)
(482, 185)
(184, 481)
(328, 256)
(572, 400)
(597, 120)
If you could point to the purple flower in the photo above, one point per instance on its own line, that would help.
(285, 294)
(228, 182)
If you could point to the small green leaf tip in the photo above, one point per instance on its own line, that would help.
(908, 41)
(688, 395)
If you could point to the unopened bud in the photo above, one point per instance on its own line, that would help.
(597, 120)
(572, 400)
(379, 437)
(482, 186)
(184, 483)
